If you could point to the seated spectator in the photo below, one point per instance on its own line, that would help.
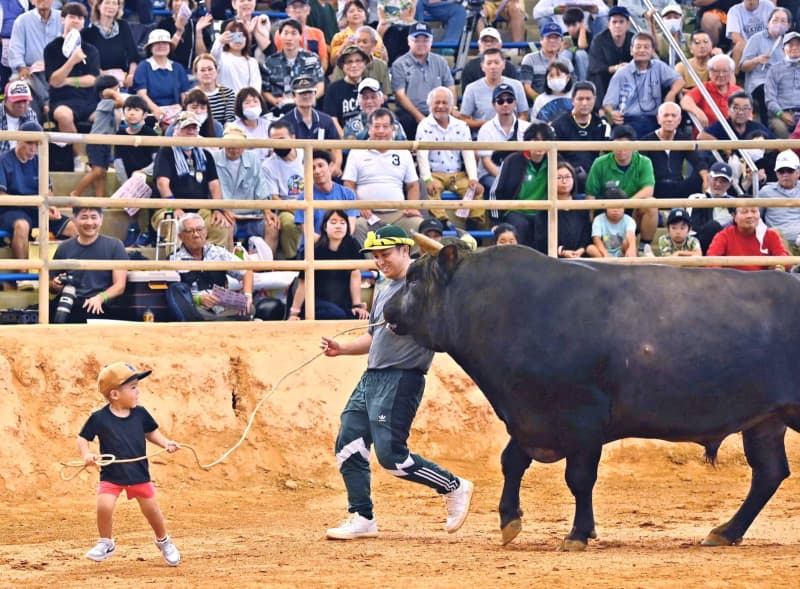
(291, 62)
(323, 16)
(415, 74)
(337, 293)
(610, 49)
(453, 17)
(370, 98)
(477, 102)
(721, 69)
(237, 68)
(505, 234)
(574, 225)
(31, 33)
(632, 173)
(595, 13)
(111, 35)
(190, 172)
(504, 126)
(250, 108)
(341, 99)
(780, 89)
(511, 11)
(159, 80)
(196, 101)
(677, 241)
(711, 17)
(764, 161)
(313, 39)
(12, 10)
(356, 16)
(785, 220)
(16, 111)
(367, 39)
(395, 19)
(488, 38)
(382, 174)
(326, 189)
(636, 89)
(745, 20)
(555, 98)
(284, 178)
(189, 36)
(707, 222)
(613, 232)
(580, 39)
(581, 124)
(701, 49)
(94, 289)
(523, 176)
(242, 178)
(678, 173)
(740, 110)
(221, 99)
(72, 95)
(307, 122)
(19, 175)
(258, 26)
(748, 236)
(762, 51)
(672, 15)
(533, 69)
(448, 169)
(194, 246)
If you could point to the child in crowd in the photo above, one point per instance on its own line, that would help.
(505, 234)
(613, 232)
(677, 241)
(122, 427)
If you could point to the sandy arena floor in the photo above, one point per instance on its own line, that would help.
(258, 520)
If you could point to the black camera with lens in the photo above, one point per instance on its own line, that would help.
(67, 297)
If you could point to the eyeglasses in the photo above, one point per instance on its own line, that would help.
(505, 101)
(725, 71)
(563, 178)
(741, 109)
(353, 61)
(194, 230)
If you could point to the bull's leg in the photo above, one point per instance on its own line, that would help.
(581, 474)
(766, 454)
(515, 462)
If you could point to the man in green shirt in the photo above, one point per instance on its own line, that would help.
(632, 173)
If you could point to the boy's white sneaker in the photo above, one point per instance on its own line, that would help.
(457, 505)
(168, 551)
(355, 526)
(104, 549)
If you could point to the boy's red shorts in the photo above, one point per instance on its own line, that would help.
(144, 490)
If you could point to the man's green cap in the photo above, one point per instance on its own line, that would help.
(386, 237)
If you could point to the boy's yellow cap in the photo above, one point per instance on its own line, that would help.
(117, 374)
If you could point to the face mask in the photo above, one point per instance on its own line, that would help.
(251, 113)
(674, 24)
(792, 59)
(201, 117)
(557, 84)
(282, 152)
(755, 154)
(135, 126)
(777, 29)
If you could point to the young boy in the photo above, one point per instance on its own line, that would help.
(613, 232)
(677, 241)
(122, 427)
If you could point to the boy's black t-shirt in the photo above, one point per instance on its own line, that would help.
(136, 158)
(124, 438)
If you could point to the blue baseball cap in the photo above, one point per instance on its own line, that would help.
(550, 28)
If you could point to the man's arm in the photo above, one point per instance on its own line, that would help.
(674, 90)
(356, 347)
(644, 192)
(404, 101)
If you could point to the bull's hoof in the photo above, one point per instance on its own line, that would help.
(716, 539)
(511, 530)
(569, 545)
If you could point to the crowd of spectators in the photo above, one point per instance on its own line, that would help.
(370, 70)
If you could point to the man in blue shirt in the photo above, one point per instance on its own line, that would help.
(326, 189)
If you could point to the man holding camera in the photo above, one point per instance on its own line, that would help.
(87, 293)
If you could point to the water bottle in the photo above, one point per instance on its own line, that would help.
(468, 195)
(238, 250)
(148, 316)
(623, 97)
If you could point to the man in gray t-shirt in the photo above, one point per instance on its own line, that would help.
(384, 403)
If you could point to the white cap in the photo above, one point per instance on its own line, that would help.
(671, 8)
(787, 159)
(491, 32)
(369, 84)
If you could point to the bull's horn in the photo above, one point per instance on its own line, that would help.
(426, 244)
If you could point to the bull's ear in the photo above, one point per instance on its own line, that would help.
(448, 259)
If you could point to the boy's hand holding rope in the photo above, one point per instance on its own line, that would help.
(171, 446)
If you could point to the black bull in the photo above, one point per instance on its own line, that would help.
(574, 355)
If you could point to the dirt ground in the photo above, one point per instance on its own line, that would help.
(258, 519)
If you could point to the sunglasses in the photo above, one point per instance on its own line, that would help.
(505, 101)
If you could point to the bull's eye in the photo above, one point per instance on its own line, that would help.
(411, 283)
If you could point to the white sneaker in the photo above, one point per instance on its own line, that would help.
(457, 505)
(355, 526)
(646, 251)
(104, 549)
(77, 164)
(169, 551)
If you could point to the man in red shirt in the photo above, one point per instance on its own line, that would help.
(748, 236)
(722, 83)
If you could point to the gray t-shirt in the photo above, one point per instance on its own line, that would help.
(389, 350)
